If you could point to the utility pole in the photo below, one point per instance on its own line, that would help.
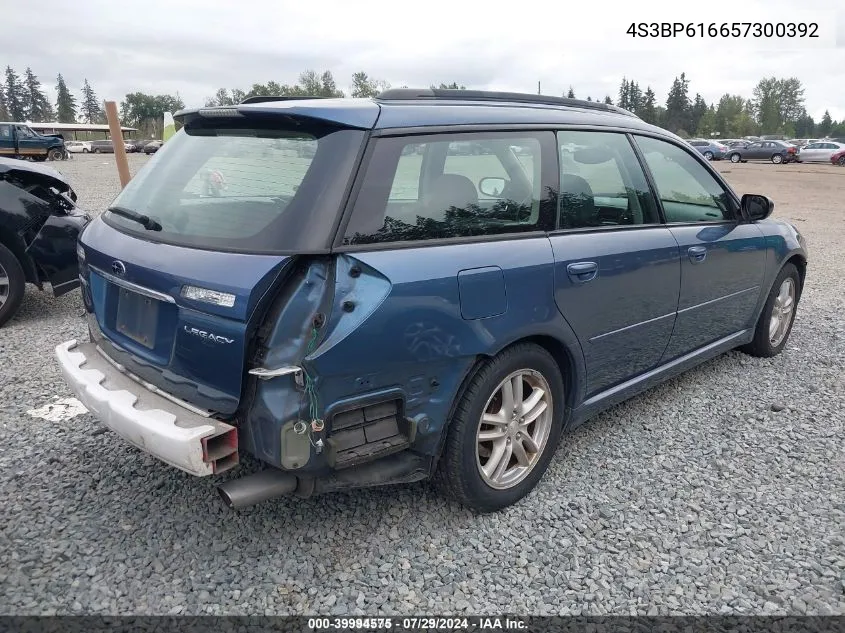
(538, 88)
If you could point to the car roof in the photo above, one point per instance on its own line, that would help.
(411, 108)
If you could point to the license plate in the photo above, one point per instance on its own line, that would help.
(137, 317)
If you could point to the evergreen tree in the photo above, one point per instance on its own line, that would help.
(571, 93)
(624, 95)
(15, 97)
(65, 102)
(608, 100)
(38, 107)
(699, 108)
(648, 108)
(678, 105)
(825, 125)
(635, 96)
(4, 111)
(90, 106)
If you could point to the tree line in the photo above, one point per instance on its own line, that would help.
(776, 105)
(22, 98)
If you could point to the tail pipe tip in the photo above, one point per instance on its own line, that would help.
(262, 486)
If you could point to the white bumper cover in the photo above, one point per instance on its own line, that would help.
(147, 420)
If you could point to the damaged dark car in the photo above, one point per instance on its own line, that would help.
(39, 227)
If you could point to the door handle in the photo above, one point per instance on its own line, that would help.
(697, 254)
(582, 272)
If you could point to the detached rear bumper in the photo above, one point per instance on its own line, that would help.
(187, 440)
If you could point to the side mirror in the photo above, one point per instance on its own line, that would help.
(492, 186)
(757, 207)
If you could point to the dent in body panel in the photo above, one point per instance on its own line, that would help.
(417, 339)
(54, 250)
(625, 314)
(289, 328)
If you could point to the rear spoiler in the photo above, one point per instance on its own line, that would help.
(269, 98)
(348, 113)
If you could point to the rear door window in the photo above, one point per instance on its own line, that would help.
(451, 186)
(602, 182)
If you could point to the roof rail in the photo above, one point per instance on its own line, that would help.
(444, 94)
(267, 98)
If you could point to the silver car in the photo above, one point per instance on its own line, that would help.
(820, 151)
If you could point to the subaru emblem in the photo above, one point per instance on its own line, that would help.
(118, 268)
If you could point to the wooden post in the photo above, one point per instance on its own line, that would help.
(117, 143)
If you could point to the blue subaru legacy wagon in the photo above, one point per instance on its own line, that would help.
(431, 283)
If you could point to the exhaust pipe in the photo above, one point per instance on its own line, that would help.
(252, 489)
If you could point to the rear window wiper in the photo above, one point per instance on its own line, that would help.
(144, 220)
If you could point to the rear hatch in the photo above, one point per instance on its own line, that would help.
(178, 271)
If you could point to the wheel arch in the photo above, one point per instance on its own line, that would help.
(800, 262)
(571, 370)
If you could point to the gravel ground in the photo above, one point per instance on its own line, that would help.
(722, 491)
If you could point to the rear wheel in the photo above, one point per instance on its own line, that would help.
(735, 158)
(778, 315)
(841, 161)
(96, 150)
(505, 430)
(777, 159)
(84, 150)
(12, 283)
(708, 155)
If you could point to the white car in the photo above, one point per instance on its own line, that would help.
(820, 151)
(78, 147)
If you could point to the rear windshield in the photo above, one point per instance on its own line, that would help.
(263, 187)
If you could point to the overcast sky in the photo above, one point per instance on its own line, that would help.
(194, 47)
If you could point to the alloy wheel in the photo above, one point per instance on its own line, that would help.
(782, 311)
(514, 429)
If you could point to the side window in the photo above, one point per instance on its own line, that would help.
(5, 131)
(688, 192)
(450, 185)
(601, 182)
(24, 132)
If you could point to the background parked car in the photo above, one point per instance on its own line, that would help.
(774, 151)
(39, 226)
(137, 146)
(78, 147)
(151, 147)
(711, 150)
(102, 147)
(838, 158)
(820, 152)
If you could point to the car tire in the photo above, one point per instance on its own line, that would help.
(735, 158)
(708, 155)
(775, 323)
(841, 161)
(12, 282)
(84, 150)
(55, 154)
(777, 159)
(96, 150)
(460, 471)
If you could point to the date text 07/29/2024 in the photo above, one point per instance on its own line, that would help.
(725, 29)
